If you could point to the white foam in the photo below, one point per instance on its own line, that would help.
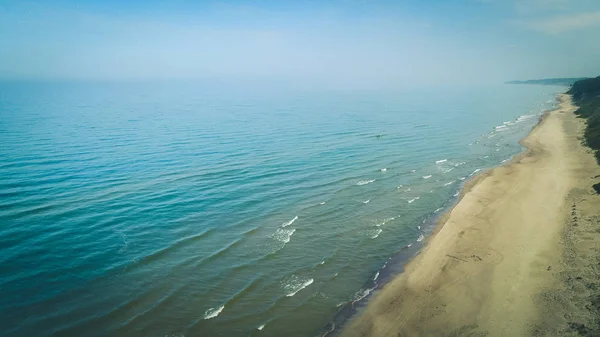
(525, 117)
(362, 294)
(456, 194)
(399, 186)
(413, 170)
(500, 128)
(298, 286)
(437, 210)
(376, 276)
(505, 160)
(262, 326)
(364, 182)
(413, 200)
(448, 170)
(366, 201)
(449, 183)
(285, 224)
(383, 169)
(477, 170)
(322, 262)
(410, 244)
(427, 177)
(462, 178)
(420, 238)
(379, 230)
(441, 161)
(322, 203)
(283, 235)
(385, 221)
(213, 312)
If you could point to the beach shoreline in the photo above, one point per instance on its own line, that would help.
(490, 258)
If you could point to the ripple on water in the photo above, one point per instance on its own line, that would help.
(90, 186)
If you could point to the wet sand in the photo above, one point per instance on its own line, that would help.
(513, 257)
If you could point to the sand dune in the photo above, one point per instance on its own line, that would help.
(497, 265)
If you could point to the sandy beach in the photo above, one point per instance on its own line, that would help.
(515, 257)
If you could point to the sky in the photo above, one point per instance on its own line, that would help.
(339, 42)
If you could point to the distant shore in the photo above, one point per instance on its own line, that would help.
(513, 257)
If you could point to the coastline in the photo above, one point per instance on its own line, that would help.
(490, 258)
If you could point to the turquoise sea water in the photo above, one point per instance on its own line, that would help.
(178, 209)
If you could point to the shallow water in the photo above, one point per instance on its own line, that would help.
(185, 209)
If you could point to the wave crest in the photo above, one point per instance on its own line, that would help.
(296, 284)
(283, 235)
(213, 312)
(377, 232)
(285, 224)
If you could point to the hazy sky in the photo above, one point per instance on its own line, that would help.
(321, 41)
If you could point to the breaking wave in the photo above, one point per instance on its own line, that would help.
(213, 312)
(283, 235)
(377, 232)
(296, 284)
(285, 224)
(379, 224)
(362, 294)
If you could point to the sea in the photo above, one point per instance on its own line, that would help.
(205, 209)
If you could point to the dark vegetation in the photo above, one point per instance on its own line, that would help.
(549, 81)
(586, 95)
